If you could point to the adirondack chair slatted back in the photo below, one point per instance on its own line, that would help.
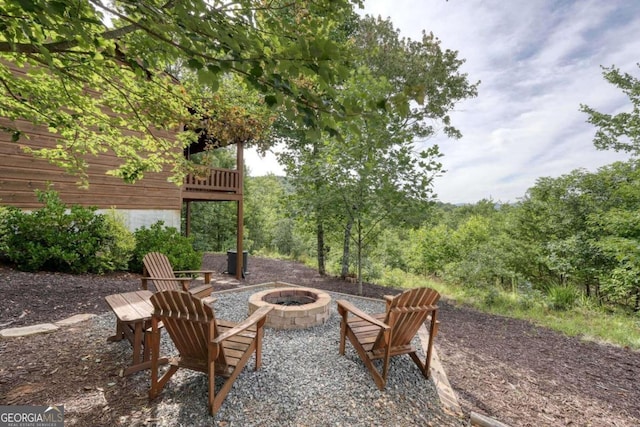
(215, 347)
(191, 324)
(157, 264)
(385, 335)
(405, 314)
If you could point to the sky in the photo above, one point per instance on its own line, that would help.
(537, 61)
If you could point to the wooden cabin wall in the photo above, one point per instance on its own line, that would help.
(21, 174)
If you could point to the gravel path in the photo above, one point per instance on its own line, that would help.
(303, 381)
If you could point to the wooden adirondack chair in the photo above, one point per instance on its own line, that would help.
(215, 347)
(157, 269)
(382, 336)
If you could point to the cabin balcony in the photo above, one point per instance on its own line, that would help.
(218, 184)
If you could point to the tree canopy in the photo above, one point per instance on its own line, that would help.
(379, 170)
(96, 72)
(621, 131)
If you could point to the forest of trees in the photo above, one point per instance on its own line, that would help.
(363, 208)
(571, 237)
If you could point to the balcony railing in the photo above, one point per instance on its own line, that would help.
(218, 180)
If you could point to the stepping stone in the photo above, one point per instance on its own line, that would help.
(28, 330)
(75, 319)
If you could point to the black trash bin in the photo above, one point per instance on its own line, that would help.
(232, 262)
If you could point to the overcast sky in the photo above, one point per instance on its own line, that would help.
(537, 61)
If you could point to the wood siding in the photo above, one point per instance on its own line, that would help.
(21, 174)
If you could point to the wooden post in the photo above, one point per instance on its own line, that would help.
(240, 211)
(187, 226)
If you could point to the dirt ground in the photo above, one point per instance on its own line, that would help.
(511, 370)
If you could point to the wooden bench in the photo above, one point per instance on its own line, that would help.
(133, 312)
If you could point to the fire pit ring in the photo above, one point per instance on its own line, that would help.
(292, 308)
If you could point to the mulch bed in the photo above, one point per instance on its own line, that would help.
(511, 370)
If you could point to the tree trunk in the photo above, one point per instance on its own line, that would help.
(359, 259)
(321, 252)
(588, 288)
(345, 249)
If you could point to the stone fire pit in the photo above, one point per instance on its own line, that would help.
(292, 308)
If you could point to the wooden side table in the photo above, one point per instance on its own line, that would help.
(133, 312)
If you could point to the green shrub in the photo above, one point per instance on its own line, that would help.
(4, 214)
(530, 298)
(119, 248)
(54, 237)
(167, 240)
(562, 298)
(394, 277)
(493, 297)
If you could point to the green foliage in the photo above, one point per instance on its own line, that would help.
(586, 321)
(108, 86)
(531, 299)
(234, 113)
(395, 278)
(119, 249)
(4, 229)
(494, 297)
(213, 226)
(376, 176)
(167, 240)
(562, 298)
(622, 285)
(270, 224)
(285, 239)
(431, 249)
(619, 132)
(391, 249)
(57, 238)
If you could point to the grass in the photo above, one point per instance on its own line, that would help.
(582, 320)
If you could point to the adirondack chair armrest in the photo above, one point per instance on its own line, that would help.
(206, 273)
(166, 279)
(193, 271)
(184, 281)
(388, 299)
(346, 306)
(255, 317)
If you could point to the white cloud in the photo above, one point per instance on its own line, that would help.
(538, 61)
(262, 165)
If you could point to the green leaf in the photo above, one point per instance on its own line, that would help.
(29, 5)
(271, 100)
(206, 77)
(256, 71)
(58, 6)
(194, 63)
(215, 69)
